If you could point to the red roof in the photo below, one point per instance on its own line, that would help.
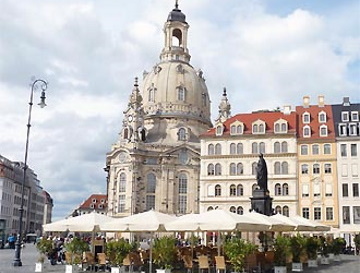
(314, 124)
(95, 200)
(247, 119)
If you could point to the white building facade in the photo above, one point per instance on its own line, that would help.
(347, 128)
(230, 153)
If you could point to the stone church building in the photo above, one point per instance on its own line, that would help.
(155, 163)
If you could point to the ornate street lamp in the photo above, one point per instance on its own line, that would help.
(34, 86)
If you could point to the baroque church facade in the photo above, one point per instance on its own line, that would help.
(155, 163)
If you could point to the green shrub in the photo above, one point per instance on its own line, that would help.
(281, 250)
(236, 250)
(118, 250)
(164, 252)
(297, 246)
(312, 247)
(76, 247)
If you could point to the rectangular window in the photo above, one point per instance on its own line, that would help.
(345, 116)
(327, 149)
(353, 129)
(150, 202)
(355, 188)
(345, 190)
(317, 213)
(328, 190)
(315, 149)
(316, 168)
(327, 168)
(121, 206)
(343, 150)
(304, 168)
(304, 149)
(356, 214)
(317, 190)
(342, 130)
(346, 215)
(329, 214)
(353, 150)
(182, 204)
(354, 170)
(306, 213)
(344, 170)
(354, 116)
(305, 190)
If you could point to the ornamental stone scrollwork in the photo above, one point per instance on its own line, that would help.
(157, 69)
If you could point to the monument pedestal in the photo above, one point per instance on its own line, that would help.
(261, 202)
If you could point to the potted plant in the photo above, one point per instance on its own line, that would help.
(117, 252)
(164, 253)
(312, 247)
(281, 253)
(357, 243)
(44, 247)
(324, 250)
(236, 250)
(297, 247)
(337, 247)
(75, 249)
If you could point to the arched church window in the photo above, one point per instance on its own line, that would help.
(232, 190)
(284, 147)
(151, 92)
(239, 190)
(277, 147)
(286, 211)
(232, 169)
(232, 148)
(262, 147)
(218, 149)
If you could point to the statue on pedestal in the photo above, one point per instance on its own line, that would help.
(261, 173)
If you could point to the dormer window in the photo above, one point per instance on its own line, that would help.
(237, 128)
(306, 117)
(323, 131)
(281, 126)
(354, 116)
(181, 93)
(306, 131)
(344, 116)
(92, 206)
(102, 201)
(182, 134)
(352, 129)
(219, 130)
(342, 129)
(93, 200)
(258, 127)
(322, 117)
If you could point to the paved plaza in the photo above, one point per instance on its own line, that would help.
(349, 263)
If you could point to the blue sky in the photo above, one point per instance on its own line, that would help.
(268, 53)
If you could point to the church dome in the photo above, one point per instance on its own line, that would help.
(175, 89)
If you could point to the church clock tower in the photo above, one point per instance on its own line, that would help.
(155, 164)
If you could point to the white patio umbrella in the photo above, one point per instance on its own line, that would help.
(216, 220)
(276, 224)
(149, 221)
(317, 226)
(83, 223)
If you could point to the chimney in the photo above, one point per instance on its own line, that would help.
(287, 109)
(321, 100)
(306, 101)
(346, 101)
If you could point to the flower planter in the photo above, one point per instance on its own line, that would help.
(163, 270)
(312, 263)
(280, 269)
(331, 256)
(297, 267)
(325, 260)
(115, 269)
(69, 268)
(39, 267)
(337, 258)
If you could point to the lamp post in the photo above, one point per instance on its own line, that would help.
(43, 85)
